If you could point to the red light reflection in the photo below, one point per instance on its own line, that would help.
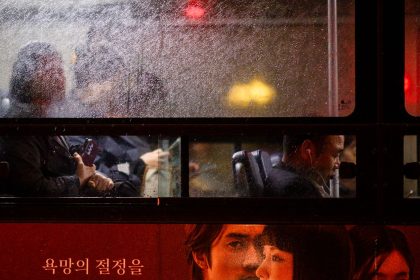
(407, 83)
(194, 11)
(410, 95)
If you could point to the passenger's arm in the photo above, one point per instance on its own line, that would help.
(30, 173)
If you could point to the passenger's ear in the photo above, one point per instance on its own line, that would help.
(307, 150)
(201, 260)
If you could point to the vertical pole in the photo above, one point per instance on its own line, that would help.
(335, 185)
(332, 59)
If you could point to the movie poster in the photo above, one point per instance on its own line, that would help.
(182, 251)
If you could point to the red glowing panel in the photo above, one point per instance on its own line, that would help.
(194, 12)
(410, 94)
(407, 83)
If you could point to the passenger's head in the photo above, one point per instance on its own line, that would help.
(381, 253)
(305, 253)
(314, 155)
(101, 80)
(228, 252)
(38, 76)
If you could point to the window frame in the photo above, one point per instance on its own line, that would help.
(379, 122)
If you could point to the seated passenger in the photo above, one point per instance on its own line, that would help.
(381, 252)
(42, 165)
(308, 162)
(124, 157)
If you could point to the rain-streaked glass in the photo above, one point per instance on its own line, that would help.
(188, 58)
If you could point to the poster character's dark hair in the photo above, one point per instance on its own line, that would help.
(199, 238)
(373, 244)
(319, 252)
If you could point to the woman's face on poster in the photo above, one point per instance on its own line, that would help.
(394, 267)
(276, 265)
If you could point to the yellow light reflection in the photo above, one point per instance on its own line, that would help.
(254, 92)
(239, 95)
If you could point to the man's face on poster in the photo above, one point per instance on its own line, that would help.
(235, 253)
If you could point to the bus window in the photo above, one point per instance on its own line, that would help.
(412, 57)
(182, 58)
(292, 166)
(90, 166)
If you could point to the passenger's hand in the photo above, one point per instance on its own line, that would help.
(155, 158)
(82, 171)
(100, 182)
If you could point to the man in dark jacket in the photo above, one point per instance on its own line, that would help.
(308, 162)
(43, 166)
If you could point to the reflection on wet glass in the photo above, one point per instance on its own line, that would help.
(210, 170)
(180, 58)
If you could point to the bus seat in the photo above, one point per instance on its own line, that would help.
(247, 175)
(264, 163)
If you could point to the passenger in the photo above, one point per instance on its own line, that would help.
(99, 81)
(37, 82)
(308, 163)
(43, 165)
(381, 253)
(125, 157)
(228, 252)
(107, 85)
(305, 253)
